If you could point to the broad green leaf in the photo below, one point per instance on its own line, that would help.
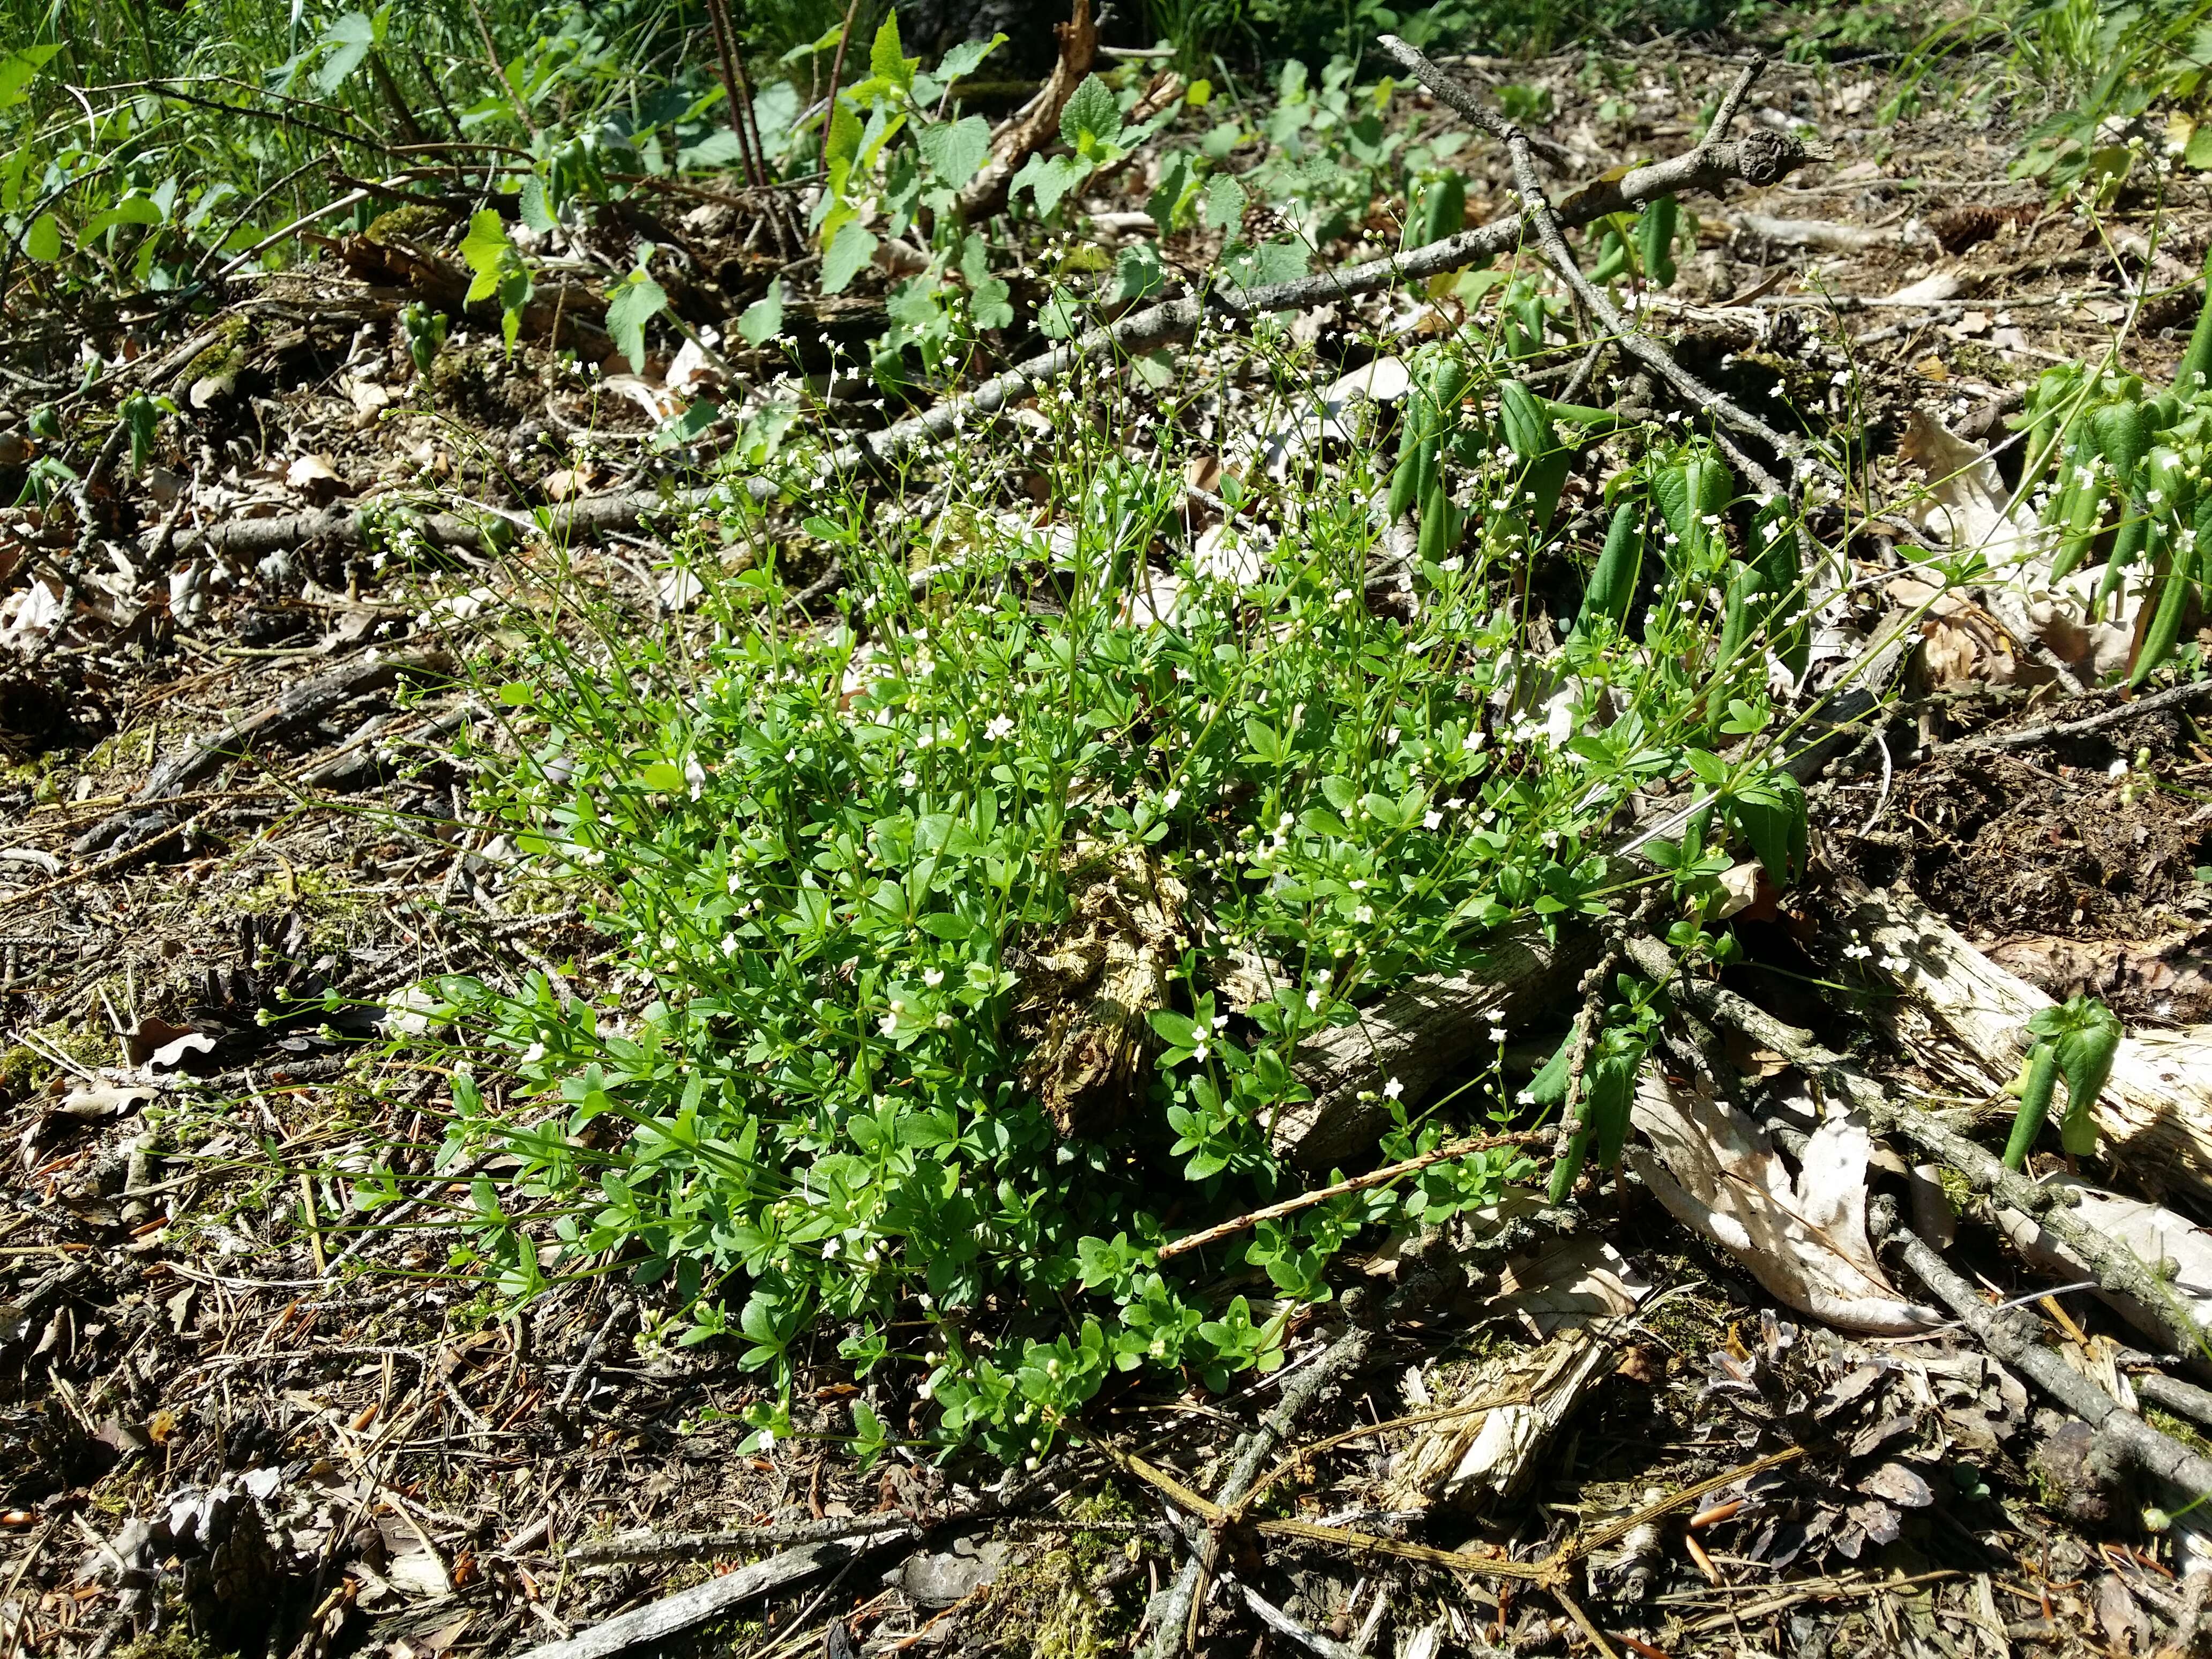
(1137, 273)
(1091, 117)
(1224, 204)
(961, 60)
(955, 149)
(485, 245)
(853, 249)
(1167, 196)
(1772, 815)
(763, 318)
(131, 211)
(1528, 428)
(1048, 181)
(349, 39)
(43, 241)
(886, 59)
(16, 70)
(636, 303)
(989, 304)
(537, 211)
(663, 778)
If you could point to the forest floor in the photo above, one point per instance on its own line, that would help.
(193, 1310)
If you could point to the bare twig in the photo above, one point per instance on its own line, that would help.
(1306, 1200)
(1732, 100)
(1537, 206)
(2035, 737)
(1179, 1614)
(1758, 158)
(2015, 1337)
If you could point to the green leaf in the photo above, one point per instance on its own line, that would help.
(1050, 180)
(1091, 117)
(131, 211)
(989, 304)
(485, 247)
(349, 39)
(633, 304)
(1224, 204)
(853, 249)
(955, 149)
(663, 778)
(43, 241)
(1528, 428)
(537, 211)
(1138, 274)
(1654, 240)
(886, 59)
(16, 70)
(762, 320)
(961, 60)
(2198, 154)
(1167, 196)
(518, 694)
(1771, 813)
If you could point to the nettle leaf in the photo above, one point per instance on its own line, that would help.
(852, 248)
(963, 58)
(43, 241)
(955, 149)
(1049, 181)
(1225, 202)
(537, 212)
(633, 304)
(483, 250)
(989, 304)
(1137, 273)
(1091, 117)
(349, 38)
(762, 319)
(1169, 196)
(885, 59)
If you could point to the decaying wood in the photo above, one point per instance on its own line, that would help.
(2155, 1113)
(689, 1609)
(1090, 990)
(1037, 124)
(1490, 1450)
(2114, 1269)
(1420, 1034)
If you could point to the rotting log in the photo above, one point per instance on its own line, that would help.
(1420, 1034)
(2155, 1113)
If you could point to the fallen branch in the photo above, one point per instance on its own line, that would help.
(2015, 1336)
(1551, 237)
(2155, 1112)
(1758, 158)
(2114, 1268)
(1418, 1035)
(1037, 124)
(2036, 737)
(1307, 1200)
(689, 1609)
(1179, 1613)
(298, 705)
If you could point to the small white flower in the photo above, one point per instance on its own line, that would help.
(1001, 727)
(1170, 801)
(1431, 819)
(933, 977)
(1497, 1033)
(1313, 1000)
(1393, 1089)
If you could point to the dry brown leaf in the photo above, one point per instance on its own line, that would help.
(1967, 503)
(1804, 1240)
